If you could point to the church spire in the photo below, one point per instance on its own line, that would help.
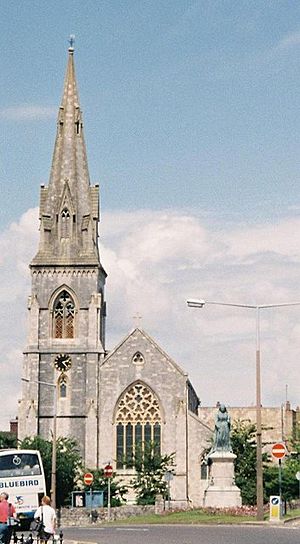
(69, 158)
(69, 205)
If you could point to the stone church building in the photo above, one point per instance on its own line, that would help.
(110, 402)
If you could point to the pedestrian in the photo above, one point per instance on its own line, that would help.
(47, 514)
(7, 511)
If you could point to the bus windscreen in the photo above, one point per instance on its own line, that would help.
(23, 464)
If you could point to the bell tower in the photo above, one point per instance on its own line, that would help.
(66, 336)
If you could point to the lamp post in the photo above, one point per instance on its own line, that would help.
(53, 461)
(199, 303)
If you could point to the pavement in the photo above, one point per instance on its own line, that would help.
(288, 523)
(291, 523)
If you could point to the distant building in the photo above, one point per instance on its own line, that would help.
(13, 426)
(278, 423)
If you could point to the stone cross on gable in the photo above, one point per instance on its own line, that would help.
(137, 319)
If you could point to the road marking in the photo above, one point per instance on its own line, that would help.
(130, 529)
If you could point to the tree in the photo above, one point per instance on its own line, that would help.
(150, 468)
(100, 483)
(289, 468)
(68, 464)
(8, 440)
(243, 442)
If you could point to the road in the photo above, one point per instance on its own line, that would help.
(180, 534)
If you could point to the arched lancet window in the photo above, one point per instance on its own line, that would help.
(138, 422)
(62, 386)
(65, 223)
(63, 316)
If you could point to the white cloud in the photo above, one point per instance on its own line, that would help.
(157, 259)
(28, 112)
(17, 246)
(290, 40)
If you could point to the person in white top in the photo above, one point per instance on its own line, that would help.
(47, 514)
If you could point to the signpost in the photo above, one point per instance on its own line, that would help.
(108, 472)
(275, 508)
(279, 452)
(298, 478)
(78, 499)
(88, 479)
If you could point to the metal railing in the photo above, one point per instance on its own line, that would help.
(30, 538)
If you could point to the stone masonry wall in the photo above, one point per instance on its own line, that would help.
(81, 517)
(167, 381)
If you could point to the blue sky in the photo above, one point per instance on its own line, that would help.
(192, 123)
(189, 104)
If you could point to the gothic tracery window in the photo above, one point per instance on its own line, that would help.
(64, 314)
(138, 422)
(138, 359)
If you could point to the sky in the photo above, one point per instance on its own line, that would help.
(192, 124)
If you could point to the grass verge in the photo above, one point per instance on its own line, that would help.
(189, 517)
(295, 513)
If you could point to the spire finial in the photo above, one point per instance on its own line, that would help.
(71, 41)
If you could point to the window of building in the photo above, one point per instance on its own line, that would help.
(138, 422)
(204, 470)
(62, 386)
(138, 359)
(65, 226)
(63, 315)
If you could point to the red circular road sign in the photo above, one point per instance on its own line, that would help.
(279, 451)
(88, 478)
(108, 471)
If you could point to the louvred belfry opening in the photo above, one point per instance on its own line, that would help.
(65, 223)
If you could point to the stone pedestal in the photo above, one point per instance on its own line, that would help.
(222, 491)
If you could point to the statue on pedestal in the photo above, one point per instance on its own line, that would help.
(222, 430)
(222, 491)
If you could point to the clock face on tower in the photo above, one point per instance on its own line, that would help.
(63, 362)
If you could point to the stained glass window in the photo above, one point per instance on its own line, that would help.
(138, 422)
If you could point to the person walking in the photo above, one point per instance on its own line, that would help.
(47, 514)
(7, 511)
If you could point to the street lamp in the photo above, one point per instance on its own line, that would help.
(200, 303)
(53, 463)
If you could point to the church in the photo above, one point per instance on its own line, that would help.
(110, 402)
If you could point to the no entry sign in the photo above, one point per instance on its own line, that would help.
(279, 451)
(108, 471)
(88, 478)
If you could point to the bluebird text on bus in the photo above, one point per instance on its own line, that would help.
(19, 483)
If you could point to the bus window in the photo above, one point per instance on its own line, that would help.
(23, 464)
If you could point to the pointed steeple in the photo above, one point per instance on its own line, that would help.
(69, 205)
(69, 158)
